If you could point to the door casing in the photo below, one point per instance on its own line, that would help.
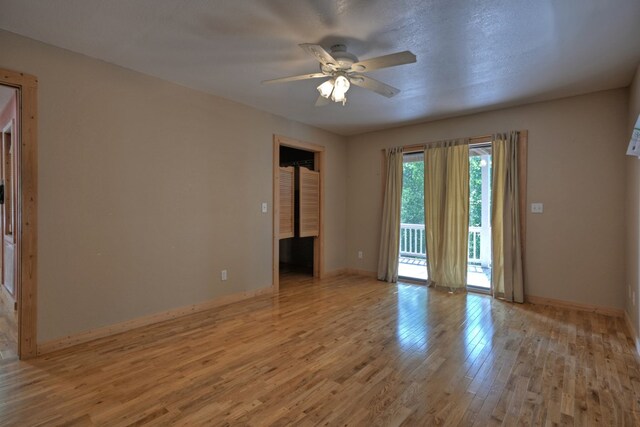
(26, 222)
(318, 242)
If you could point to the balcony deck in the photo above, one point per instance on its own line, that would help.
(416, 268)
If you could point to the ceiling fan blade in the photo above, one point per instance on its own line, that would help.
(385, 61)
(374, 85)
(294, 78)
(322, 101)
(320, 54)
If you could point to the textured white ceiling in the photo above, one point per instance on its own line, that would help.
(472, 55)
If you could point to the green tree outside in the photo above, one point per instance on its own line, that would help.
(412, 211)
(475, 192)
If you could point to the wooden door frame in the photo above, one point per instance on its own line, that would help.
(26, 224)
(2, 208)
(318, 242)
(12, 129)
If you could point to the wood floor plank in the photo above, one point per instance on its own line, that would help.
(348, 350)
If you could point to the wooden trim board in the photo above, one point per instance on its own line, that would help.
(335, 273)
(294, 143)
(93, 334)
(608, 311)
(275, 208)
(318, 242)
(27, 221)
(364, 273)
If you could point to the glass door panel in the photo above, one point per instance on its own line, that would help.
(413, 247)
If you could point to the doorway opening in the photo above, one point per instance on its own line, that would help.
(8, 185)
(298, 200)
(18, 215)
(413, 247)
(296, 249)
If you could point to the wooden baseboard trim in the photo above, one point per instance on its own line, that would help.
(632, 332)
(364, 273)
(93, 334)
(335, 273)
(608, 311)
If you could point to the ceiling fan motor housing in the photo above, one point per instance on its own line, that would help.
(343, 58)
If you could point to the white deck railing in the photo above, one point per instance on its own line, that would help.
(413, 243)
(474, 245)
(412, 240)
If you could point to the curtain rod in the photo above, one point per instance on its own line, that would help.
(476, 140)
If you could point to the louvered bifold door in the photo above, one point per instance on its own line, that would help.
(287, 202)
(309, 223)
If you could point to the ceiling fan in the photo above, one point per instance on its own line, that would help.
(344, 69)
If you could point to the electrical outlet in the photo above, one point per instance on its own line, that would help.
(537, 207)
(223, 275)
(360, 255)
(264, 207)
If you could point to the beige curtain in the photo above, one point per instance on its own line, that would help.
(390, 233)
(507, 264)
(446, 200)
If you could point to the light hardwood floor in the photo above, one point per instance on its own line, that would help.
(344, 351)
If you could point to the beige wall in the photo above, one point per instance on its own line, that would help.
(633, 212)
(149, 189)
(576, 168)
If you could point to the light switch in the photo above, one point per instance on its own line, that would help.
(537, 208)
(264, 207)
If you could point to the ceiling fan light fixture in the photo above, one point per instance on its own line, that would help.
(326, 88)
(342, 84)
(340, 88)
(338, 96)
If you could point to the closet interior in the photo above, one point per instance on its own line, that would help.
(299, 211)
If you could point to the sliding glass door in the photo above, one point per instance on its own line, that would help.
(413, 254)
(413, 247)
(479, 264)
